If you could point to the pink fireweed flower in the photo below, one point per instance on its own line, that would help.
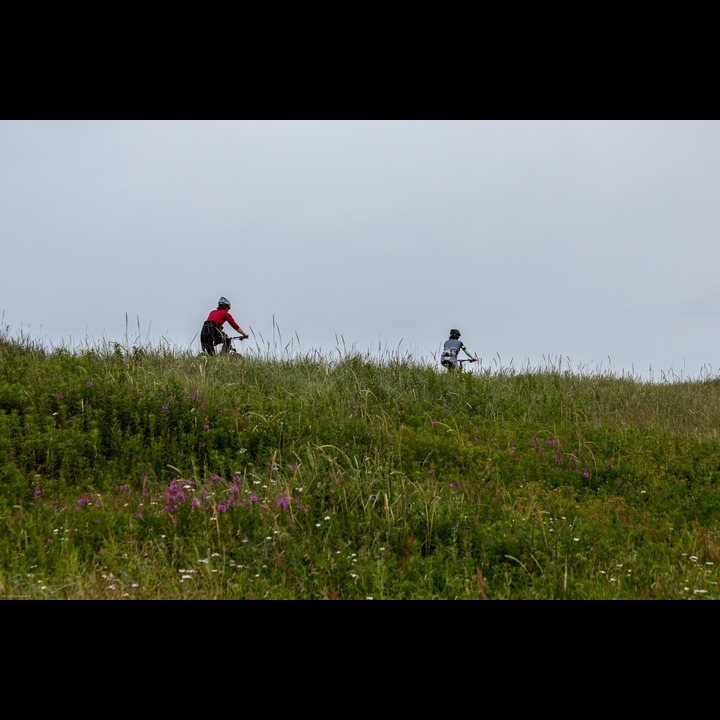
(174, 496)
(282, 501)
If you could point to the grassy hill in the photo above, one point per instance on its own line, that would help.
(148, 474)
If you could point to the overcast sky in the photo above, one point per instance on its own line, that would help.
(592, 245)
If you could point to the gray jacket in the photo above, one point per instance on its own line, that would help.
(451, 348)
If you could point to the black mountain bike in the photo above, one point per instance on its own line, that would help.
(231, 350)
(460, 362)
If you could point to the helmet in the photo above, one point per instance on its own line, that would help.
(455, 332)
(224, 301)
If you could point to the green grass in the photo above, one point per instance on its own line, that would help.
(150, 474)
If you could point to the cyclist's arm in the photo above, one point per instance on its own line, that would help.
(233, 324)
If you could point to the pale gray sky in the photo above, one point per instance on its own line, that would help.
(589, 244)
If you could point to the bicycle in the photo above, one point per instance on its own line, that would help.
(231, 350)
(459, 367)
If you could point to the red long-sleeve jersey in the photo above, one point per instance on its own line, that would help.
(222, 316)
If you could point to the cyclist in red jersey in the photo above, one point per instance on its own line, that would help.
(212, 332)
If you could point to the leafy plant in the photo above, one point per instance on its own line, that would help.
(144, 474)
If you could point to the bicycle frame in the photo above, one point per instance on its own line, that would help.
(231, 350)
(460, 363)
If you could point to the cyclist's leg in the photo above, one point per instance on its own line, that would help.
(224, 340)
(207, 338)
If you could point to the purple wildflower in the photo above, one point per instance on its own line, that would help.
(174, 496)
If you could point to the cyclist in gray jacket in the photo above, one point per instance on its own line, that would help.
(453, 345)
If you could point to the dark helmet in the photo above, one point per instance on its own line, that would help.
(454, 332)
(223, 302)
